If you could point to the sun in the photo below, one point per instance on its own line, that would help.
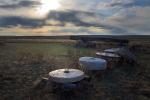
(47, 5)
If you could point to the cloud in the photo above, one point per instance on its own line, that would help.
(90, 17)
(53, 30)
(130, 3)
(85, 19)
(55, 18)
(135, 20)
(76, 17)
(115, 3)
(19, 4)
(11, 21)
(81, 5)
(65, 19)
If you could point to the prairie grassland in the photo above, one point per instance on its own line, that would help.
(21, 69)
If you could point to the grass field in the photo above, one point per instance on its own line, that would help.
(23, 64)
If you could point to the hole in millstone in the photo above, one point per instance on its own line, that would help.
(66, 71)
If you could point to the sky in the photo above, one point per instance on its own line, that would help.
(74, 17)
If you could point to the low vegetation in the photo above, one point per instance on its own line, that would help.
(19, 73)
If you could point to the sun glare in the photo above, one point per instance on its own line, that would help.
(47, 5)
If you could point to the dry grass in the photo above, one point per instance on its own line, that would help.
(19, 73)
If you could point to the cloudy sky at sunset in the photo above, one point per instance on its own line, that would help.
(74, 17)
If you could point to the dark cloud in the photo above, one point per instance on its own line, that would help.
(141, 3)
(11, 21)
(71, 17)
(121, 16)
(133, 3)
(65, 16)
(61, 16)
(20, 4)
